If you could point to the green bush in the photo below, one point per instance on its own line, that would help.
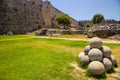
(87, 25)
(97, 18)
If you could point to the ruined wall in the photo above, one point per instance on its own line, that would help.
(20, 16)
(82, 23)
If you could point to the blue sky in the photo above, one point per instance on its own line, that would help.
(85, 9)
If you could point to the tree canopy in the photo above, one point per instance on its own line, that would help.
(97, 18)
(87, 25)
(119, 21)
(63, 19)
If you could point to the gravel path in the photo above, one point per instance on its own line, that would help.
(105, 41)
(15, 39)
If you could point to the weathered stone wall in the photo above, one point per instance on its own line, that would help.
(82, 23)
(104, 31)
(20, 16)
(54, 32)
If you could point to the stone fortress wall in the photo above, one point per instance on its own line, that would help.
(22, 16)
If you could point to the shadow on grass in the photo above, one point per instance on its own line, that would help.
(89, 74)
(80, 64)
(112, 70)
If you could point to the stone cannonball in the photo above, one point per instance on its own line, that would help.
(85, 60)
(87, 49)
(96, 68)
(81, 54)
(113, 60)
(106, 52)
(107, 63)
(95, 54)
(95, 42)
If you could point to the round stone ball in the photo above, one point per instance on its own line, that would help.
(107, 63)
(96, 68)
(106, 52)
(95, 54)
(96, 42)
(113, 60)
(87, 49)
(81, 54)
(85, 60)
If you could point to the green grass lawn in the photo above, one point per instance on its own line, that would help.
(28, 58)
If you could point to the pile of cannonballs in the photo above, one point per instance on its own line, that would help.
(98, 58)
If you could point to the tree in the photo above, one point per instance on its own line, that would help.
(97, 18)
(63, 19)
(87, 25)
(119, 21)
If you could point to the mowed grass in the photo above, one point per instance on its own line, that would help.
(29, 58)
